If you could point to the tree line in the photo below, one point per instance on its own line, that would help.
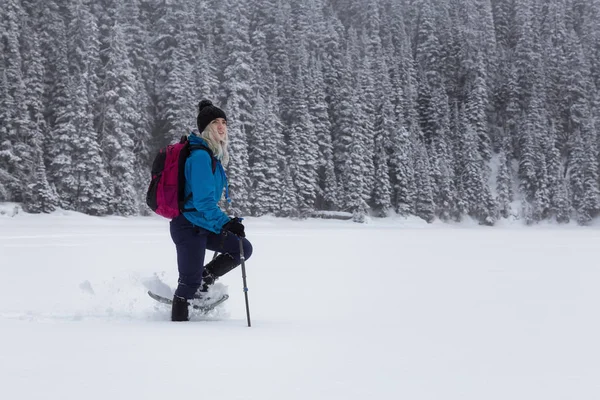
(434, 108)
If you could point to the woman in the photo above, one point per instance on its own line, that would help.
(203, 225)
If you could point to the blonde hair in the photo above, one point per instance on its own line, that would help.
(218, 147)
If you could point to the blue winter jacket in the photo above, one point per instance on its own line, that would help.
(206, 189)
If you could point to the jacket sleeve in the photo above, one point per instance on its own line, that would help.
(198, 171)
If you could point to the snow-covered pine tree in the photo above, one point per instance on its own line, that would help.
(332, 66)
(352, 176)
(348, 142)
(374, 85)
(559, 202)
(328, 193)
(402, 170)
(303, 153)
(105, 13)
(58, 95)
(277, 48)
(406, 124)
(511, 121)
(137, 41)
(118, 111)
(178, 103)
(581, 121)
(591, 40)
(61, 137)
(526, 55)
(433, 100)
(537, 125)
(541, 205)
(363, 90)
(576, 177)
(266, 153)
(33, 77)
(43, 199)
(383, 131)
(168, 80)
(266, 159)
(14, 149)
(442, 176)
(528, 157)
(206, 70)
(424, 205)
(377, 90)
(587, 205)
(552, 37)
(5, 154)
(287, 198)
(237, 99)
(504, 192)
(303, 147)
(382, 190)
(503, 12)
(475, 190)
(477, 105)
(88, 193)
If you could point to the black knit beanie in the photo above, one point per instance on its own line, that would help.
(207, 113)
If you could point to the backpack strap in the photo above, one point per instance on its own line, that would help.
(213, 165)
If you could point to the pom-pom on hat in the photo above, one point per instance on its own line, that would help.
(207, 112)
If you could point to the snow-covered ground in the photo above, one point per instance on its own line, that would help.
(393, 309)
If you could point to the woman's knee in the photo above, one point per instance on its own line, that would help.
(247, 249)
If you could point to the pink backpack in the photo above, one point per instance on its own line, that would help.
(165, 194)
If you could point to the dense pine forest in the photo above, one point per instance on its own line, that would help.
(434, 108)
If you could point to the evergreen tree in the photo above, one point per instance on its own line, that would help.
(137, 41)
(402, 174)
(444, 196)
(528, 161)
(580, 120)
(266, 153)
(303, 157)
(206, 71)
(475, 190)
(6, 178)
(433, 100)
(559, 206)
(477, 104)
(59, 113)
(177, 108)
(86, 189)
(424, 206)
(14, 149)
(116, 123)
(33, 77)
(43, 199)
(237, 101)
(266, 161)
(287, 199)
(504, 186)
(277, 47)
(170, 79)
(327, 190)
(382, 200)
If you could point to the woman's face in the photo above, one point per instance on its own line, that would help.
(220, 126)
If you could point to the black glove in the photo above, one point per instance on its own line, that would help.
(235, 226)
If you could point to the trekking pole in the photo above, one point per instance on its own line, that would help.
(244, 279)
